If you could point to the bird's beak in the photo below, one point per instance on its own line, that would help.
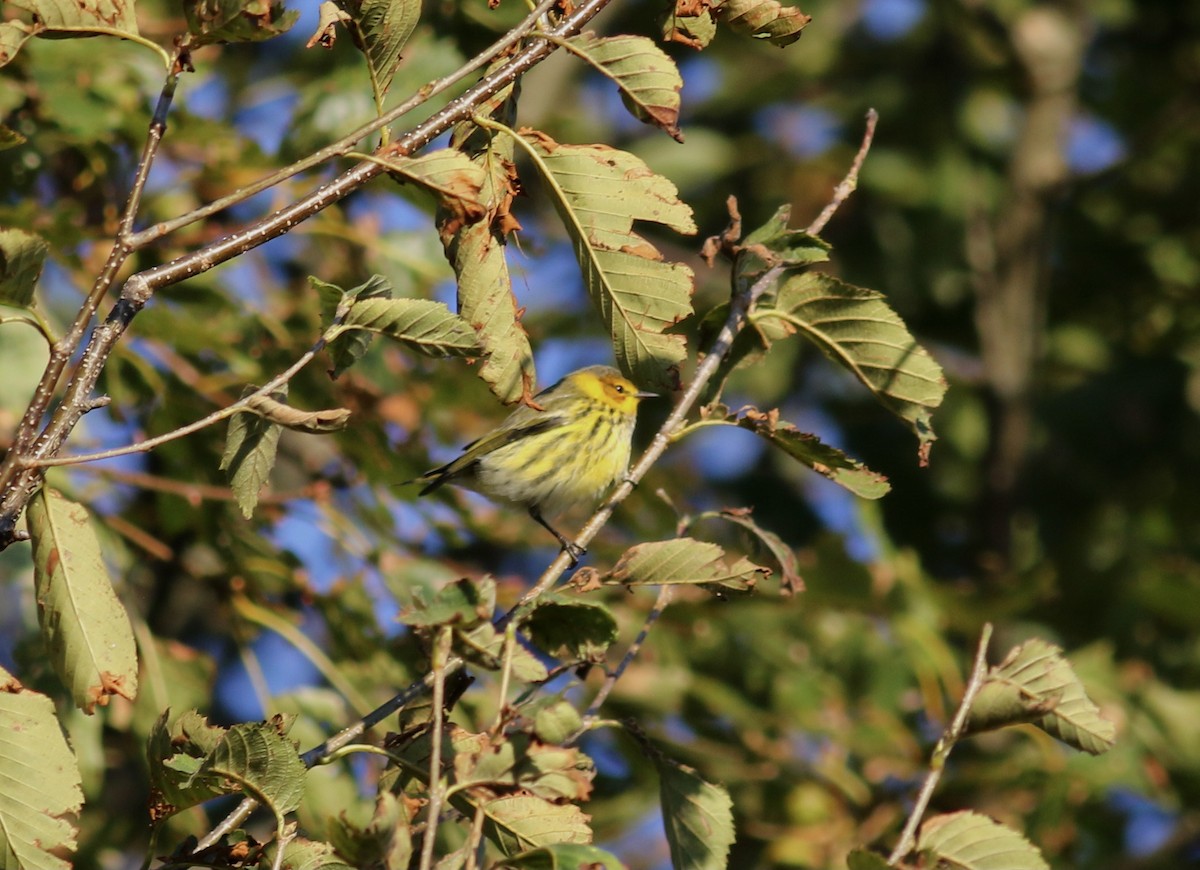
(641, 394)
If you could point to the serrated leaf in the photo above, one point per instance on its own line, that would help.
(82, 14)
(476, 253)
(261, 761)
(827, 461)
(599, 192)
(571, 629)
(562, 856)
(84, 626)
(775, 244)
(858, 330)
(347, 348)
(861, 859)
(22, 256)
(648, 80)
(40, 786)
(683, 561)
(1035, 683)
(763, 19)
(174, 752)
(518, 823)
(427, 327)
(697, 815)
(213, 21)
(313, 422)
(449, 175)
(250, 447)
(380, 29)
(971, 841)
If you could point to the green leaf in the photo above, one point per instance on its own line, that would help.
(827, 461)
(763, 19)
(9, 138)
(857, 329)
(386, 842)
(483, 645)
(427, 327)
(970, 841)
(599, 192)
(82, 14)
(13, 35)
(1035, 683)
(449, 175)
(22, 256)
(40, 788)
(774, 244)
(213, 21)
(174, 752)
(683, 561)
(476, 252)
(250, 448)
(572, 629)
(557, 722)
(563, 856)
(84, 626)
(790, 581)
(519, 823)
(261, 761)
(693, 30)
(380, 29)
(697, 815)
(861, 859)
(302, 854)
(463, 603)
(348, 347)
(648, 80)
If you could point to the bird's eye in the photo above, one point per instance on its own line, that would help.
(618, 388)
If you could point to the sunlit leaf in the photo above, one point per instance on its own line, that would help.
(261, 761)
(697, 815)
(763, 19)
(381, 28)
(13, 35)
(519, 823)
(58, 15)
(84, 625)
(313, 422)
(476, 252)
(329, 16)
(970, 841)
(349, 346)
(213, 21)
(22, 256)
(249, 456)
(686, 561)
(689, 25)
(599, 192)
(857, 329)
(1035, 683)
(427, 327)
(451, 176)
(562, 856)
(648, 80)
(557, 722)
(40, 789)
(464, 603)
(302, 854)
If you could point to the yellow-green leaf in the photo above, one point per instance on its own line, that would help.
(599, 192)
(40, 787)
(22, 255)
(213, 21)
(683, 561)
(427, 327)
(84, 626)
(698, 817)
(82, 14)
(517, 823)
(763, 19)
(648, 80)
(249, 456)
(970, 841)
(381, 28)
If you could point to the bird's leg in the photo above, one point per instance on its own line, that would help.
(570, 547)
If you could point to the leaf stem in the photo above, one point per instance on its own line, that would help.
(941, 752)
(848, 184)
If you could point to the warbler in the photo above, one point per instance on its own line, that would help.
(567, 454)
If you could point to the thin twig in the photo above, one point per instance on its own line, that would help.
(195, 493)
(850, 182)
(941, 752)
(441, 654)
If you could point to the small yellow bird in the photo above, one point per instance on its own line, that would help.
(567, 454)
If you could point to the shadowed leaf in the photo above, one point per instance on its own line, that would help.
(40, 790)
(763, 19)
(562, 856)
(260, 761)
(347, 348)
(314, 422)
(573, 629)
(683, 560)
(213, 21)
(249, 456)
(790, 580)
(861, 859)
(22, 255)
(648, 80)
(698, 817)
(973, 842)
(84, 625)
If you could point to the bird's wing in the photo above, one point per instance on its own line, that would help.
(473, 452)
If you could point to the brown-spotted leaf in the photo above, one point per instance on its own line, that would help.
(763, 19)
(683, 561)
(648, 80)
